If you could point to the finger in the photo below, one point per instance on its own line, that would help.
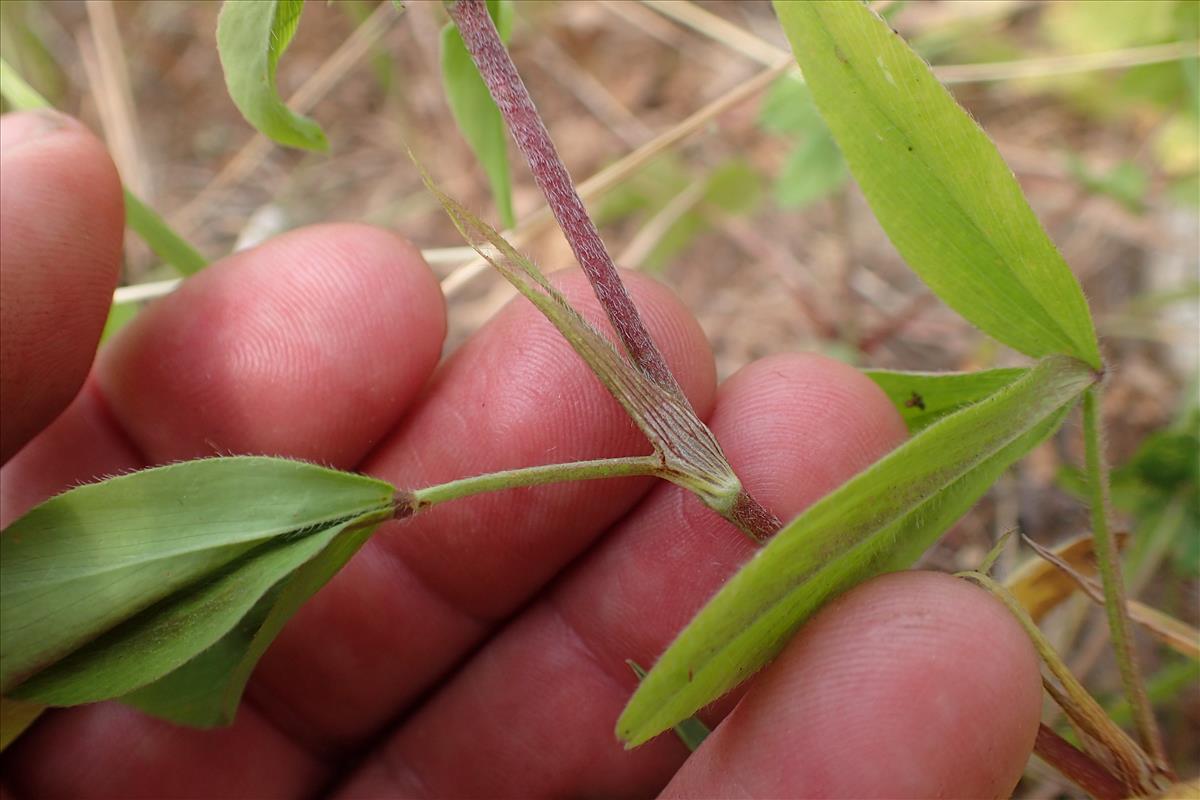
(82, 445)
(324, 335)
(310, 346)
(913, 685)
(423, 592)
(109, 751)
(61, 219)
(554, 682)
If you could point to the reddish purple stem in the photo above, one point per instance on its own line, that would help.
(525, 124)
(498, 71)
(1087, 773)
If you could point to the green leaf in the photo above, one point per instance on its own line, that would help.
(206, 691)
(476, 113)
(814, 171)
(1126, 182)
(19, 94)
(880, 520)
(119, 315)
(692, 732)
(166, 243)
(936, 182)
(788, 108)
(925, 397)
(15, 717)
(251, 37)
(131, 556)
(734, 187)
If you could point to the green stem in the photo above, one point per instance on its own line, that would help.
(529, 476)
(1114, 587)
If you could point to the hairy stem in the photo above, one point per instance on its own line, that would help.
(498, 71)
(684, 437)
(1114, 587)
(409, 503)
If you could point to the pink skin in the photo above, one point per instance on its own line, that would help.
(476, 650)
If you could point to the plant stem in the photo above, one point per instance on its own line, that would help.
(1087, 773)
(701, 462)
(516, 106)
(1114, 587)
(412, 502)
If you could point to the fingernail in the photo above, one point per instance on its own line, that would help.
(23, 127)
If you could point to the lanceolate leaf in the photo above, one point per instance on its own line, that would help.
(127, 559)
(925, 397)
(936, 182)
(476, 112)
(880, 520)
(251, 37)
(15, 717)
(692, 732)
(165, 242)
(206, 690)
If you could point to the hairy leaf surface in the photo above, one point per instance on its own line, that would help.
(925, 397)
(937, 183)
(251, 37)
(880, 520)
(109, 557)
(206, 691)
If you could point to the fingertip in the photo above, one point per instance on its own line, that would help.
(912, 685)
(61, 221)
(310, 345)
(783, 409)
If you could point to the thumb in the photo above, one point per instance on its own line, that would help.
(61, 222)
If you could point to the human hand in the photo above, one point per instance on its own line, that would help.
(477, 649)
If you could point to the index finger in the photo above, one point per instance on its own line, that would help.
(61, 221)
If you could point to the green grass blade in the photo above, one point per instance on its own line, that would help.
(166, 243)
(19, 94)
(172, 632)
(15, 718)
(880, 520)
(691, 731)
(937, 183)
(476, 113)
(251, 37)
(82, 563)
(923, 398)
(206, 691)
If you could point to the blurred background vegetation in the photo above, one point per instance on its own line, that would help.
(730, 190)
